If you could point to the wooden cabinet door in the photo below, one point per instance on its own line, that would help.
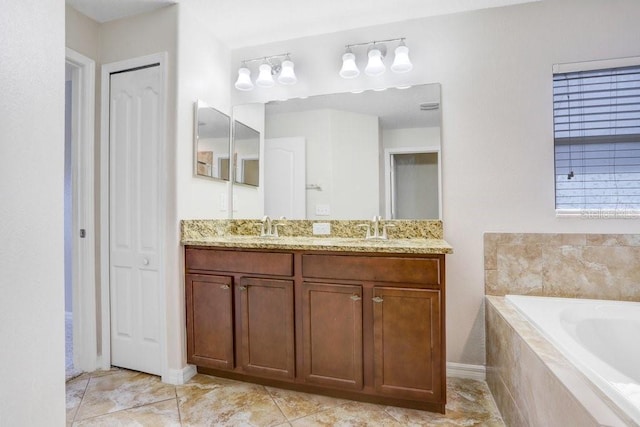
(332, 334)
(407, 343)
(209, 321)
(266, 327)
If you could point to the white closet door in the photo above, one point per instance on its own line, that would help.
(134, 225)
(284, 178)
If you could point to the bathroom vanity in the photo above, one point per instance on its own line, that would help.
(343, 316)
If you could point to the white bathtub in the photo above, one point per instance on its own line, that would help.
(602, 338)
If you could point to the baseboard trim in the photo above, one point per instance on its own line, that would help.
(179, 376)
(461, 370)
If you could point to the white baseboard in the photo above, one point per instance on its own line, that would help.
(179, 376)
(472, 372)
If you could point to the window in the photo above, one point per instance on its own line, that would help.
(597, 139)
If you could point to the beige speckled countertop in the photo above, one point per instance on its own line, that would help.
(416, 237)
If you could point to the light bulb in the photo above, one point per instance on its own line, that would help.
(264, 78)
(401, 62)
(287, 75)
(244, 79)
(349, 68)
(375, 66)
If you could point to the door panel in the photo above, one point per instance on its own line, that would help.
(332, 334)
(209, 321)
(266, 308)
(407, 343)
(284, 178)
(134, 120)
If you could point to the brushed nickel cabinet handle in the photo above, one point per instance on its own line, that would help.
(377, 299)
(242, 288)
(224, 286)
(355, 297)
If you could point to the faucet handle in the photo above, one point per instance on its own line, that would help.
(275, 229)
(368, 226)
(384, 229)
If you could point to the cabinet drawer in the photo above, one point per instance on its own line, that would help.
(273, 263)
(378, 269)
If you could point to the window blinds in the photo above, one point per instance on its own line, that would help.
(597, 139)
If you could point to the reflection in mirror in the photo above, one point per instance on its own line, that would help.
(246, 154)
(211, 142)
(365, 154)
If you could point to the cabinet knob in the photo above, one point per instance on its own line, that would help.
(224, 286)
(145, 261)
(242, 288)
(377, 299)
(355, 297)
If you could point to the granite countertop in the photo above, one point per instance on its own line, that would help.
(406, 236)
(339, 244)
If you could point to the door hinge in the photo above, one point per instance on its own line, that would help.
(83, 233)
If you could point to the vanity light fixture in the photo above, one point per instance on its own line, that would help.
(376, 53)
(270, 66)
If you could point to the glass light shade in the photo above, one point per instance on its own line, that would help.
(349, 68)
(244, 79)
(287, 75)
(375, 66)
(264, 78)
(401, 62)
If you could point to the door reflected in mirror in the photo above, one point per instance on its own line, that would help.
(246, 154)
(350, 167)
(212, 137)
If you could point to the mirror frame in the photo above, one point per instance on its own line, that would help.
(199, 104)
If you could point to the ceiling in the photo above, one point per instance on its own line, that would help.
(240, 23)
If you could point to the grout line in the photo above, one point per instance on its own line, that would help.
(178, 405)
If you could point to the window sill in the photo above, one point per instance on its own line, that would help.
(598, 213)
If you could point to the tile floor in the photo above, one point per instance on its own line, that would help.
(126, 398)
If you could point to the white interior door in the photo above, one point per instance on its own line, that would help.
(134, 126)
(284, 178)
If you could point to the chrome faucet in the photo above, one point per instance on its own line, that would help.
(375, 225)
(267, 230)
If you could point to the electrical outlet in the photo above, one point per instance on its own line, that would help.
(321, 228)
(323, 210)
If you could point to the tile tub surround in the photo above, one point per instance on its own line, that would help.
(121, 397)
(419, 237)
(597, 266)
(532, 382)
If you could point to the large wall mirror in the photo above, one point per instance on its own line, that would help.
(354, 155)
(212, 137)
(246, 154)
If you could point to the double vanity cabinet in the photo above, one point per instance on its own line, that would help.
(352, 324)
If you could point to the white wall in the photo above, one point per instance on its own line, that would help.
(411, 137)
(31, 213)
(497, 144)
(336, 141)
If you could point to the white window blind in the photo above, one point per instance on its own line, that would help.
(597, 139)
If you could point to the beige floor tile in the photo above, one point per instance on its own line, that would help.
(296, 405)
(350, 414)
(160, 414)
(122, 390)
(210, 401)
(75, 391)
(469, 403)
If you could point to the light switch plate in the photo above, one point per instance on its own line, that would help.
(321, 228)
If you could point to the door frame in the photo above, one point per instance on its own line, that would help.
(107, 70)
(85, 347)
(388, 157)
